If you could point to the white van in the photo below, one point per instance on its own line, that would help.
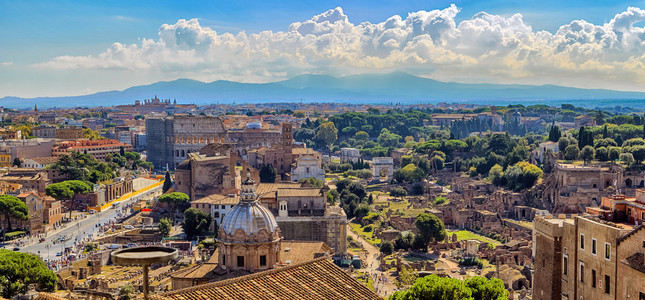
(114, 246)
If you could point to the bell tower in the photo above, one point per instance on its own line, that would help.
(287, 147)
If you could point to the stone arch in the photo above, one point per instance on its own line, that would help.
(628, 182)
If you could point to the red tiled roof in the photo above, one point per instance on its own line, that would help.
(317, 279)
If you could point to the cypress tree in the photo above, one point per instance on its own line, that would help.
(604, 132)
(167, 184)
(581, 137)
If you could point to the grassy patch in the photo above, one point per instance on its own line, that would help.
(468, 235)
(402, 206)
(369, 282)
(14, 233)
(368, 236)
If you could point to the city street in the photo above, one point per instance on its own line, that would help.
(77, 230)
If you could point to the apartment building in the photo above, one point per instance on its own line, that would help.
(98, 149)
(585, 257)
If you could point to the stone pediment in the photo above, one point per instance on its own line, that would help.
(239, 235)
(263, 235)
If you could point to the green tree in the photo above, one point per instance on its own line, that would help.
(404, 241)
(571, 152)
(434, 287)
(361, 211)
(327, 133)
(430, 228)
(126, 292)
(602, 154)
(587, 154)
(388, 139)
(175, 199)
(20, 270)
(496, 174)
(91, 135)
(409, 173)
(12, 207)
(167, 183)
(147, 165)
(386, 248)
(614, 153)
(122, 151)
(554, 133)
(627, 158)
(165, 225)
(485, 289)
(268, 173)
(638, 152)
(362, 136)
(17, 162)
(196, 222)
(398, 192)
(67, 190)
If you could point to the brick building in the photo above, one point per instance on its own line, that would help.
(619, 208)
(585, 257)
(98, 149)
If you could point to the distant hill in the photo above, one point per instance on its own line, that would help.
(367, 88)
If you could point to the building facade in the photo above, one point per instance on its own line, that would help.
(169, 140)
(99, 149)
(586, 257)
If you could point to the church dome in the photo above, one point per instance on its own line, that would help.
(249, 216)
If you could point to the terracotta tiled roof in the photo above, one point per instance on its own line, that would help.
(318, 279)
(218, 199)
(45, 160)
(299, 192)
(296, 252)
(264, 188)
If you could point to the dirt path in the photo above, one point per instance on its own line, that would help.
(383, 282)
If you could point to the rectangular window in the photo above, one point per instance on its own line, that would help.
(607, 251)
(607, 284)
(582, 242)
(582, 272)
(593, 278)
(565, 265)
(263, 260)
(593, 246)
(240, 261)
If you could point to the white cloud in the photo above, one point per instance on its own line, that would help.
(486, 47)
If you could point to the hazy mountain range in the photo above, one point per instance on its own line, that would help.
(368, 88)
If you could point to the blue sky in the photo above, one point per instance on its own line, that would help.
(62, 47)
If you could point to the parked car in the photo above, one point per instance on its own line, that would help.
(128, 227)
(59, 254)
(16, 249)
